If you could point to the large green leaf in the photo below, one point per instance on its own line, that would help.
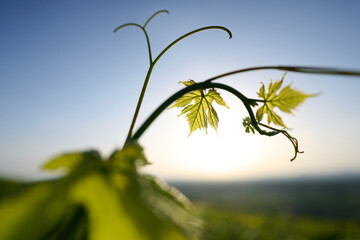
(197, 105)
(286, 100)
(98, 199)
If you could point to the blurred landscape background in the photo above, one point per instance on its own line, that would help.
(307, 208)
(325, 208)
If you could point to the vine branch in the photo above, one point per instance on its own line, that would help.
(299, 69)
(203, 85)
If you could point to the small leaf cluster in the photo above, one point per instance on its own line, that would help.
(247, 125)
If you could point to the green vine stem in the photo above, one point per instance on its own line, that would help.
(203, 85)
(299, 69)
(247, 102)
(153, 62)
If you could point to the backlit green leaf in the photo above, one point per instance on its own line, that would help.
(286, 100)
(197, 105)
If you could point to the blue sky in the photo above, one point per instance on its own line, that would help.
(68, 83)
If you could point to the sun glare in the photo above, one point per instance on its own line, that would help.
(214, 155)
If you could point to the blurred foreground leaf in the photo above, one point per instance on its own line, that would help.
(34, 212)
(98, 200)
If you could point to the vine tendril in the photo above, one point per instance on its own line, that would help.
(161, 11)
(191, 33)
(292, 139)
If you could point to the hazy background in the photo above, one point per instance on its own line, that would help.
(68, 83)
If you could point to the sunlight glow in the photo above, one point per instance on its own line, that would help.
(225, 154)
(214, 153)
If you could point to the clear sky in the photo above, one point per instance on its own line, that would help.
(68, 83)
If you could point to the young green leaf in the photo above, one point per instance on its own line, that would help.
(247, 125)
(286, 100)
(198, 107)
